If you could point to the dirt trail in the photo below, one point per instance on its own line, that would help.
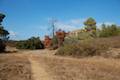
(45, 66)
(38, 70)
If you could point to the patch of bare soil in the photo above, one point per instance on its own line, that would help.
(14, 67)
(112, 53)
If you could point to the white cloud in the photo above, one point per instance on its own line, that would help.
(66, 26)
(12, 33)
(77, 21)
(107, 23)
(70, 25)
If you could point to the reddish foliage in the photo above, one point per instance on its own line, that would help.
(60, 35)
(47, 42)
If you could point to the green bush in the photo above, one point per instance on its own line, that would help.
(110, 30)
(2, 46)
(32, 43)
(83, 48)
(85, 35)
(54, 43)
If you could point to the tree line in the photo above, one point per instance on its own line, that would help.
(3, 34)
(90, 28)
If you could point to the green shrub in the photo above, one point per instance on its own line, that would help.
(32, 43)
(85, 35)
(54, 43)
(83, 48)
(110, 30)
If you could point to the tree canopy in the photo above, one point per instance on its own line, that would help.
(109, 30)
(90, 22)
(3, 32)
(31, 43)
(2, 16)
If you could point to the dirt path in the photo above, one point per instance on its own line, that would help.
(45, 66)
(38, 70)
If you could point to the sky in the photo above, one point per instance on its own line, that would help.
(27, 18)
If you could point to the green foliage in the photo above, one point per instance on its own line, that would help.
(90, 24)
(2, 46)
(109, 30)
(3, 34)
(90, 41)
(2, 16)
(85, 35)
(82, 48)
(54, 42)
(71, 40)
(32, 43)
(90, 21)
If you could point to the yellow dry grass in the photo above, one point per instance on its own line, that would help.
(19, 67)
(14, 67)
(94, 68)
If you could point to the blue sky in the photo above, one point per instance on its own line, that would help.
(26, 18)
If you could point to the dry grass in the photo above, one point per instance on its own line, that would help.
(17, 67)
(113, 42)
(13, 67)
(81, 69)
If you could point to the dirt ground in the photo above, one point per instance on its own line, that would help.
(44, 65)
(14, 67)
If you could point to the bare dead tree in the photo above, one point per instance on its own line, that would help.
(52, 23)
